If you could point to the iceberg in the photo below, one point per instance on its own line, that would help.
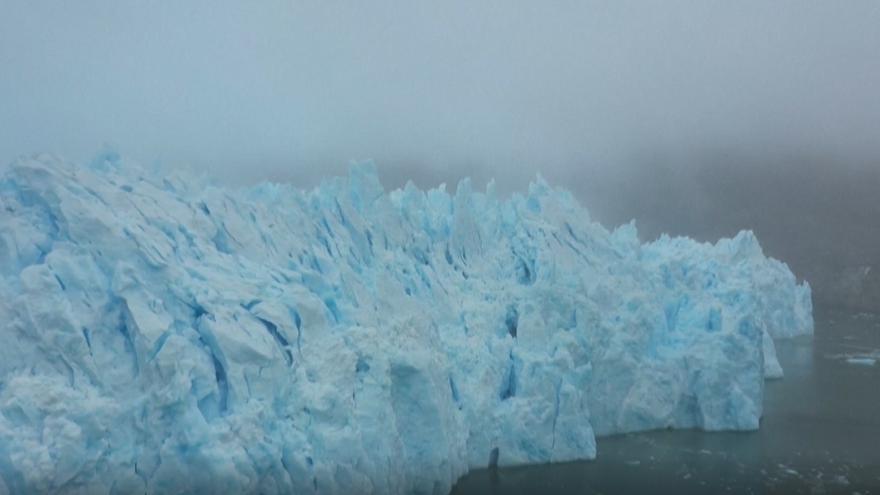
(164, 335)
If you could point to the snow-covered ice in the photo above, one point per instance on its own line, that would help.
(163, 335)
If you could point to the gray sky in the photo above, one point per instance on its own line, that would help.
(697, 117)
(434, 90)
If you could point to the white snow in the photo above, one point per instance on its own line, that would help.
(161, 335)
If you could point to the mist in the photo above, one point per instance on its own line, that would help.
(696, 118)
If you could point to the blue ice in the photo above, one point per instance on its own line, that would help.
(161, 335)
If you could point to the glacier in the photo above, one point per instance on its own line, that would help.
(161, 334)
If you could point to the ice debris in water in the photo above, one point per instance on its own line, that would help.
(862, 361)
(164, 336)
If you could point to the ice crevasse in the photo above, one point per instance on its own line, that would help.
(163, 335)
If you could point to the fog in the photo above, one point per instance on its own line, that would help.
(695, 117)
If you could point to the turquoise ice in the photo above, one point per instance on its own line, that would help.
(162, 335)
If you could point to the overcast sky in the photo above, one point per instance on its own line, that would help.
(698, 118)
(292, 90)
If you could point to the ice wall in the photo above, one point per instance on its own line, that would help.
(161, 335)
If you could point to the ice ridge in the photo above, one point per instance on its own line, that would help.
(160, 335)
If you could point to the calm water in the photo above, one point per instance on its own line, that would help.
(820, 434)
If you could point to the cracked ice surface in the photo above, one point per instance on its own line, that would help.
(162, 335)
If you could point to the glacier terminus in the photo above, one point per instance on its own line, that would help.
(164, 335)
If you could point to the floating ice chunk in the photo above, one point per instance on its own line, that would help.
(162, 335)
(861, 361)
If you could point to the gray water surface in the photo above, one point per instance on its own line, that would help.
(820, 434)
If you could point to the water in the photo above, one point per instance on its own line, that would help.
(820, 434)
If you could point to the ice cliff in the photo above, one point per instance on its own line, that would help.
(164, 336)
